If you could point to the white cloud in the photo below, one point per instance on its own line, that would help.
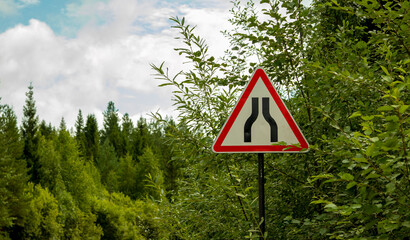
(11, 7)
(209, 24)
(105, 61)
(8, 7)
(29, 2)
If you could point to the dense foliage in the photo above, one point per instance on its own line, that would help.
(80, 185)
(342, 67)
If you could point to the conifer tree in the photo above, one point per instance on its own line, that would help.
(139, 138)
(79, 133)
(45, 130)
(111, 131)
(126, 133)
(63, 125)
(29, 130)
(13, 176)
(79, 125)
(92, 137)
(107, 163)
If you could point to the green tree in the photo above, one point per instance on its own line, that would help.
(29, 130)
(127, 176)
(162, 133)
(79, 133)
(139, 138)
(44, 215)
(13, 176)
(148, 170)
(92, 137)
(127, 128)
(46, 130)
(107, 163)
(111, 131)
(63, 125)
(70, 179)
(123, 218)
(79, 125)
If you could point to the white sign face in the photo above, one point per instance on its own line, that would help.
(260, 122)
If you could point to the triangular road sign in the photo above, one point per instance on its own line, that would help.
(260, 122)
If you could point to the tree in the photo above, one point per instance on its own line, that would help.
(92, 137)
(139, 138)
(44, 215)
(46, 130)
(79, 125)
(63, 125)
(148, 170)
(127, 128)
(79, 133)
(127, 177)
(111, 131)
(29, 130)
(13, 176)
(107, 163)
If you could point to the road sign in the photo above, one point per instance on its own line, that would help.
(260, 122)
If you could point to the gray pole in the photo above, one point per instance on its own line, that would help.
(261, 183)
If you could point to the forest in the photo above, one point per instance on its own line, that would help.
(341, 67)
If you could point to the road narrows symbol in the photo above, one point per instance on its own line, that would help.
(254, 115)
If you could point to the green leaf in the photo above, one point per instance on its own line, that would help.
(295, 221)
(372, 151)
(360, 159)
(331, 207)
(373, 175)
(367, 118)
(355, 114)
(401, 69)
(350, 185)
(326, 176)
(356, 206)
(403, 108)
(319, 201)
(406, 224)
(385, 70)
(385, 108)
(240, 195)
(390, 187)
(346, 176)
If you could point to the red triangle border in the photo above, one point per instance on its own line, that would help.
(217, 146)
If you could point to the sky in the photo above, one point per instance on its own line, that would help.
(81, 54)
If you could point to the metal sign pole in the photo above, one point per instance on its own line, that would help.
(261, 183)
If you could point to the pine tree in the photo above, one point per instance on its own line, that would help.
(46, 130)
(63, 125)
(29, 130)
(126, 133)
(139, 138)
(79, 125)
(92, 137)
(79, 133)
(111, 131)
(13, 176)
